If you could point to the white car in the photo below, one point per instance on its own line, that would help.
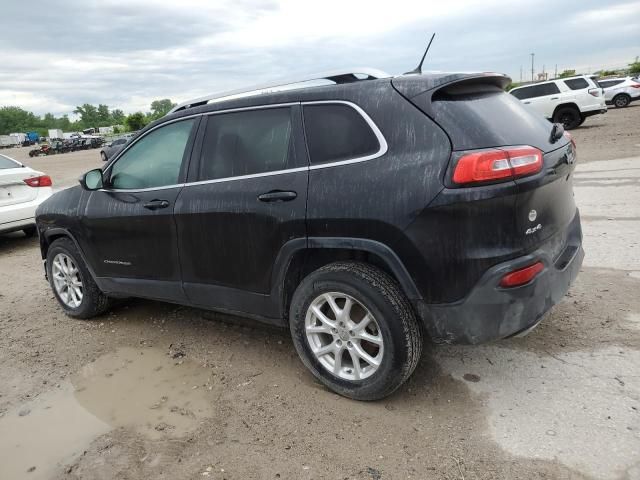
(564, 100)
(620, 91)
(21, 191)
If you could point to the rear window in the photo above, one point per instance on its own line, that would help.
(610, 83)
(6, 162)
(483, 116)
(533, 91)
(576, 83)
(337, 132)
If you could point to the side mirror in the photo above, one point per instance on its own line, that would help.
(92, 180)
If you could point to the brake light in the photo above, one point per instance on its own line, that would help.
(497, 164)
(42, 181)
(636, 85)
(521, 276)
(594, 92)
(568, 136)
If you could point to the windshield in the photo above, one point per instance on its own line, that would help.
(6, 162)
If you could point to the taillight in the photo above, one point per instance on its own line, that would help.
(497, 164)
(42, 181)
(568, 136)
(594, 92)
(637, 85)
(521, 276)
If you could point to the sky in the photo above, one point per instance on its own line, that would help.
(127, 53)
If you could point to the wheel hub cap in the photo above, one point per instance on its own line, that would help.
(66, 280)
(344, 336)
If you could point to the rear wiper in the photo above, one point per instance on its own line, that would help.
(557, 131)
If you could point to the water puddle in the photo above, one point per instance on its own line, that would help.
(145, 390)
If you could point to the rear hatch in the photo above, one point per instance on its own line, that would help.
(13, 189)
(477, 114)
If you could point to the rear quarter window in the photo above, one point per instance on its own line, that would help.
(337, 132)
(576, 83)
(7, 163)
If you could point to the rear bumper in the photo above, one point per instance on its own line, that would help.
(490, 312)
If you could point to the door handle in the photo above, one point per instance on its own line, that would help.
(156, 204)
(526, 103)
(554, 98)
(277, 196)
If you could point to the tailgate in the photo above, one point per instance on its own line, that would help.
(13, 190)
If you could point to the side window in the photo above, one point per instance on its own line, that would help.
(337, 132)
(522, 93)
(246, 143)
(576, 83)
(548, 89)
(154, 160)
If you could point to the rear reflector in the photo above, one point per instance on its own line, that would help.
(492, 165)
(42, 181)
(521, 276)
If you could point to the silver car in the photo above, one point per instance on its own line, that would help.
(110, 149)
(620, 91)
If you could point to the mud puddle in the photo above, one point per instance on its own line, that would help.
(143, 390)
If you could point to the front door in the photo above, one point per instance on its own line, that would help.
(129, 224)
(247, 199)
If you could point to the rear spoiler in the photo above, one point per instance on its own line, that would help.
(410, 86)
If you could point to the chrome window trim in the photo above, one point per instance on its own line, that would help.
(381, 140)
(384, 147)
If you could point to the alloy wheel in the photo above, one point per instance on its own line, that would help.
(344, 336)
(67, 280)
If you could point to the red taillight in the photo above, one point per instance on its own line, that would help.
(594, 92)
(637, 85)
(521, 276)
(42, 181)
(570, 138)
(491, 165)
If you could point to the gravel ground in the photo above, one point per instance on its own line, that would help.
(160, 391)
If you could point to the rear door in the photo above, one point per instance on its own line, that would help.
(245, 199)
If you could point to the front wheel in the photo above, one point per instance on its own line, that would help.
(354, 329)
(621, 100)
(71, 282)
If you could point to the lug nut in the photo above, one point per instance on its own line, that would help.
(338, 342)
(349, 344)
(351, 332)
(334, 330)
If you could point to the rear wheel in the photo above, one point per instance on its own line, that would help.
(29, 231)
(621, 100)
(355, 330)
(569, 117)
(71, 282)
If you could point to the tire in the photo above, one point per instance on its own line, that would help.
(395, 326)
(103, 156)
(569, 117)
(93, 301)
(582, 119)
(30, 231)
(621, 100)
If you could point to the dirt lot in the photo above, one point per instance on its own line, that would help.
(165, 392)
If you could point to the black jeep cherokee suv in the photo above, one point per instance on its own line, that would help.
(362, 215)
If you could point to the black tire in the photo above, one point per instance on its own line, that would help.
(381, 296)
(569, 117)
(30, 231)
(582, 119)
(621, 100)
(103, 156)
(94, 302)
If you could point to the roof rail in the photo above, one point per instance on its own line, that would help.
(337, 76)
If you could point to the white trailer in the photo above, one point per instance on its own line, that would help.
(20, 137)
(105, 130)
(7, 141)
(55, 133)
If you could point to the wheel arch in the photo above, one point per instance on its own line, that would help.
(51, 235)
(300, 257)
(565, 105)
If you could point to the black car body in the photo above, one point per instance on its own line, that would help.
(370, 175)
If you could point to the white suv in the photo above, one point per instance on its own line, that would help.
(620, 91)
(564, 100)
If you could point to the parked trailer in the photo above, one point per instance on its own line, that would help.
(7, 141)
(19, 137)
(55, 134)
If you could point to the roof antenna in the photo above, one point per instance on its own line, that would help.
(418, 69)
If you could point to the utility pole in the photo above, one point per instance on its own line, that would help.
(543, 75)
(555, 74)
(532, 55)
(520, 73)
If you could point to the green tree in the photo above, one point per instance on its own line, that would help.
(159, 108)
(15, 119)
(103, 117)
(88, 115)
(567, 73)
(136, 121)
(117, 117)
(634, 67)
